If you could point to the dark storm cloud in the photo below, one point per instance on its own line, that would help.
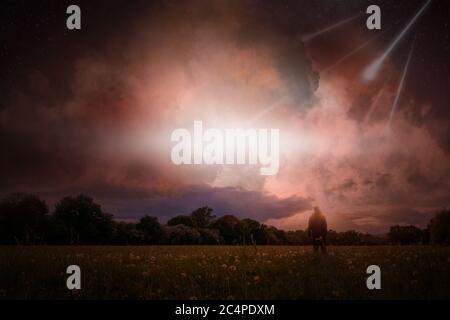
(228, 200)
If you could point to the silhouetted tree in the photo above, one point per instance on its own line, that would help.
(181, 234)
(405, 235)
(210, 236)
(23, 219)
(202, 217)
(333, 237)
(275, 236)
(82, 221)
(228, 227)
(350, 237)
(440, 228)
(151, 230)
(186, 220)
(252, 232)
(127, 234)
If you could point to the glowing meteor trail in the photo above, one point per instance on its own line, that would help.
(309, 37)
(400, 86)
(348, 55)
(375, 102)
(372, 70)
(373, 106)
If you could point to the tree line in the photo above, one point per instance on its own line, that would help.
(26, 219)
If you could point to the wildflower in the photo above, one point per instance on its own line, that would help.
(256, 278)
(183, 274)
(224, 266)
(233, 268)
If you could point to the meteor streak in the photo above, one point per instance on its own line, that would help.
(351, 53)
(376, 102)
(311, 36)
(373, 106)
(400, 86)
(372, 70)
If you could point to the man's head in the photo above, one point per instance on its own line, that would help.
(317, 211)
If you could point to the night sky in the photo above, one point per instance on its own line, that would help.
(91, 111)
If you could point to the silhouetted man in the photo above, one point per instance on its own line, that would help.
(317, 230)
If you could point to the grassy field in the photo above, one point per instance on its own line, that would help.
(214, 272)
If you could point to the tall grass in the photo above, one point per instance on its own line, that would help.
(224, 272)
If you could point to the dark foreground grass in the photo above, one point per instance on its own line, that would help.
(221, 272)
